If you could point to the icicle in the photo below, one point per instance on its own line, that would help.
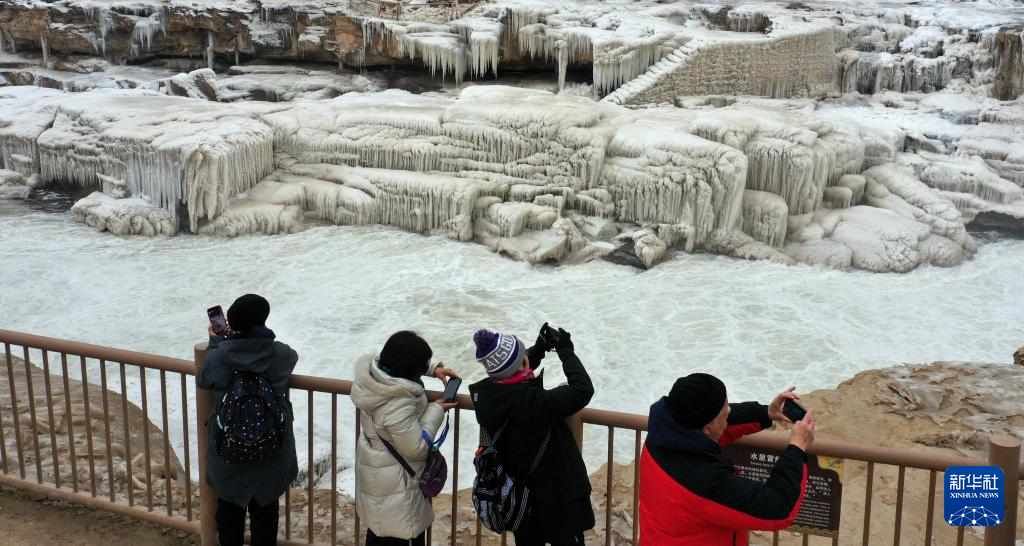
(563, 63)
(3, 40)
(484, 48)
(105, 24)
(209, 49)
(146, 28)
(236, 58)
(46, 51)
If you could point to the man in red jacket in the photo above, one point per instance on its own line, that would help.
(689, 494)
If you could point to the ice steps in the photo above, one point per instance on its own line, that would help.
(667, 65)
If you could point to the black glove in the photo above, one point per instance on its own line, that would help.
(547, 342)
(564, 342)
(542, 344)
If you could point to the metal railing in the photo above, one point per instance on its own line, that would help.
(96, 467)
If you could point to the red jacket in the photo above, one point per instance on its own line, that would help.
(689, 495)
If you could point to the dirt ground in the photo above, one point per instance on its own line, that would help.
(31, 521)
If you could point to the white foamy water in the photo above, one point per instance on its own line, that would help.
(339, 292)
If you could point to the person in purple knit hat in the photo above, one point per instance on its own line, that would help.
(514, 397)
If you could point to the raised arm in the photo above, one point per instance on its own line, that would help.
(744, 418)
(565, 400)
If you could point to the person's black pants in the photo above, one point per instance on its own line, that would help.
(374, 540)
(532, 534)
(262, 523)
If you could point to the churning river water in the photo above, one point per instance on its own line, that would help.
(338, 292)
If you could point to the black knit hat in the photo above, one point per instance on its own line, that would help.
(695, 400)
(248, 311)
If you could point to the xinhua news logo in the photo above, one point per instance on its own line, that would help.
(974, 496)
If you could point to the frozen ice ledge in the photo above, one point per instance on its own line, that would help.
(647, 50)
(537, 176)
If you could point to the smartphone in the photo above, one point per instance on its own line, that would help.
(793, 410)
(550, 335)
(451, 390)
(217, 320)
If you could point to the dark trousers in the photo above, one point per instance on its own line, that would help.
(374, 540)
(533, 535)
(262, 523)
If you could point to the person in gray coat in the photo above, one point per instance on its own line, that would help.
(252, 486)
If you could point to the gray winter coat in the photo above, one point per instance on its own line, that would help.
(395, 409)
(265, 480)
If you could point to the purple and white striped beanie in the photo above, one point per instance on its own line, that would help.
(501, 354)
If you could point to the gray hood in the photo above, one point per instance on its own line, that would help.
(255, 355)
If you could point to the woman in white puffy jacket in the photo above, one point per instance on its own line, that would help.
(393, 405)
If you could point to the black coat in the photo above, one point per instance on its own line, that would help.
(560, 487)
(265, 480)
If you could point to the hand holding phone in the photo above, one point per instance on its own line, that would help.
(550, 336)
(793, 410)
(802, 435)
(218, 322)
(450, 390)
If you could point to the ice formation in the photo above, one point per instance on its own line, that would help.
(13, 185)
(126, 216)
(170, 151)
(852, 137)
(765, 217)
(523, 172)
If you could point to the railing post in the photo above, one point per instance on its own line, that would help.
(207, 496)
(1004, 452)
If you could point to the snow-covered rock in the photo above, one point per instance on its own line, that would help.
(868, 238)
(765, 217)
(13, 185)
(248, 217)
(128, 216)
(536, 175)
(172, 150)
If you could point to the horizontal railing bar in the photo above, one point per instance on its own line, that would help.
(617, 419)
(98, 352)
(99, 503)
(320, 384)
(766, 440)
(863, 452)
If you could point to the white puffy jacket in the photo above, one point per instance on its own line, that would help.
(387, 498)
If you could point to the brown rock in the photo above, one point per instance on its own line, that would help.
(1008, 51)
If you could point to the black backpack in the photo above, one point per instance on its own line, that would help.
(250, 422)
(501, 501)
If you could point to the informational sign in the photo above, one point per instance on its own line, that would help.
(823, 500)
(974, 496)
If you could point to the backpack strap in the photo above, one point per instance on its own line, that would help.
(493, 441)
(543, 448)
(536, 460)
